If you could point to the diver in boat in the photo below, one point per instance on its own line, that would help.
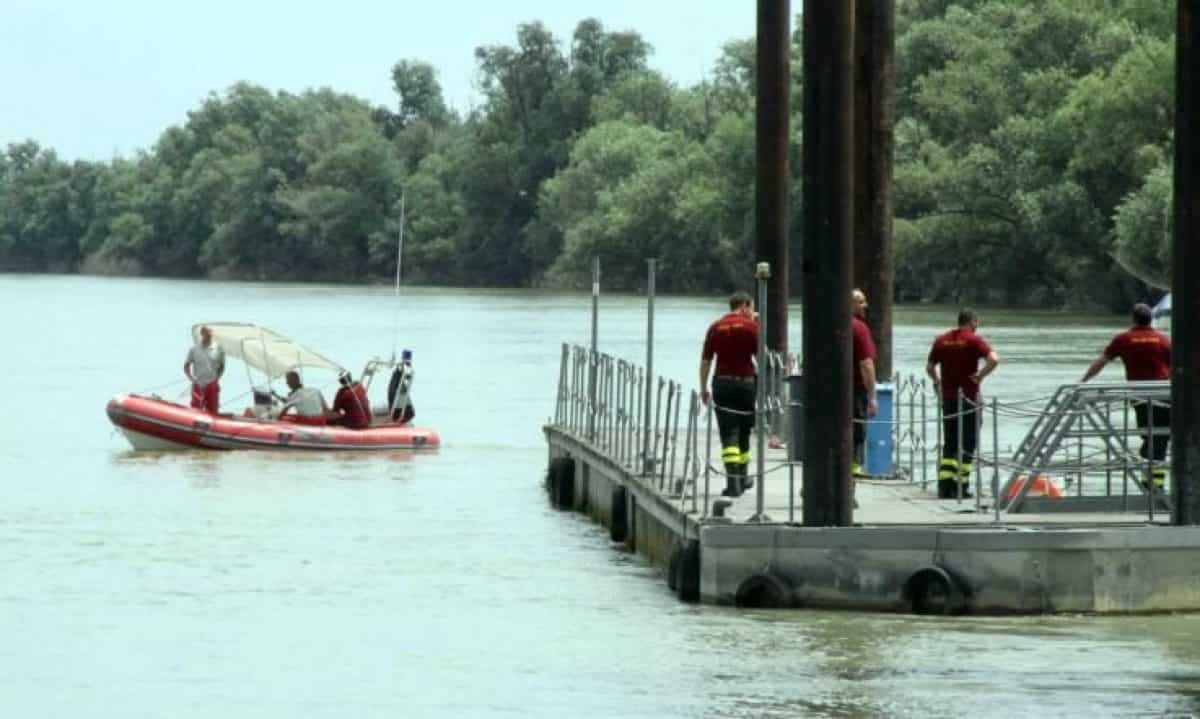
(351, 408)
(307, 402)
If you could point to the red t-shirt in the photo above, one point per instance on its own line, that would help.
(734, 340)
(958, 352)
(353, 401)
(863, 346)
(1145, 351)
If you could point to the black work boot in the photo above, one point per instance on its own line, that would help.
(733, 482)
(946, 489)
(747, 480)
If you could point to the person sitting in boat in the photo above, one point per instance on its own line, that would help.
(307, 402)
(350, 405)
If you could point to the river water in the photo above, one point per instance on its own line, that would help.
(197, 584)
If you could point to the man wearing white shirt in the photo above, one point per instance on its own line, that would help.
(204, 366)
(307, 402)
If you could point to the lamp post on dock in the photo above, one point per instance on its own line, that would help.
(593, 360)
(762, 276)
(647, 458)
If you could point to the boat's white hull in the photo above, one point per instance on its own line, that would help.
(146, 442)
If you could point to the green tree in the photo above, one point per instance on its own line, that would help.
(419, 93)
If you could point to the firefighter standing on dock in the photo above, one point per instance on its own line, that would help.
(864, 402)
(958, 352)
(733, 338)
(1146, 353)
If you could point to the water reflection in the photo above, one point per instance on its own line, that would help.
(207, 469)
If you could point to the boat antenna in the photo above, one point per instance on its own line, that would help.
(399, 265)
(400, 245)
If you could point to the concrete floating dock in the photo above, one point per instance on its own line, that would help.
(908, 552)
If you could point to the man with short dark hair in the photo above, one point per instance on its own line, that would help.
(733, 340)
(863, 346)
(957, 353)
(1146, 354)
(307, 402)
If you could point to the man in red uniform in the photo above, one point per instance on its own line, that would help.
(350, 406)
(958, 352)
(1146, 353)
(863, 347)
(733, 338)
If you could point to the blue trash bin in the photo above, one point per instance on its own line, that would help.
(879, 440)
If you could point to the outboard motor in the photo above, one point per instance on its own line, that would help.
(264, 401)
(399, 387)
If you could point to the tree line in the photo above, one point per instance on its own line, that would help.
(1033, 150)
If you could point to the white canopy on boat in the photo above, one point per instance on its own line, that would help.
(265, 350)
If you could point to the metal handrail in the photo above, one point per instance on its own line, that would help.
(1082, 434)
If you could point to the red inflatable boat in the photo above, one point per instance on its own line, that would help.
(150, 422)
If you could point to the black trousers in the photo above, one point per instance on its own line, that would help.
(859, 411)
(1162, 420)
(738, 395)
(971, 418)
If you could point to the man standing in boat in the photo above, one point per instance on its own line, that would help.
(204, 366)
(351, 408)
(957, 354)
(1146, 354)
(733, 338)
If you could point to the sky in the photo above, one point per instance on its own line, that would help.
(96, 79)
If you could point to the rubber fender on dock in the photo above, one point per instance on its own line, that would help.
(683, 570)
(560, 482)
(764, 591)
(673, 568)
(688, 580)
(618, 528)
(933, 590)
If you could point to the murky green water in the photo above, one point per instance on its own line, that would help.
(440, 585)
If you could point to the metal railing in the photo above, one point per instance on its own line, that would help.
(613, 421)
(1079, 450)
(669, 457)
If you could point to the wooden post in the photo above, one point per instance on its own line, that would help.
(874, 122)
(828, 173)
(771, 189)
(1185, 295)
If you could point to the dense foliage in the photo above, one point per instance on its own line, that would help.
(1033, 147)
